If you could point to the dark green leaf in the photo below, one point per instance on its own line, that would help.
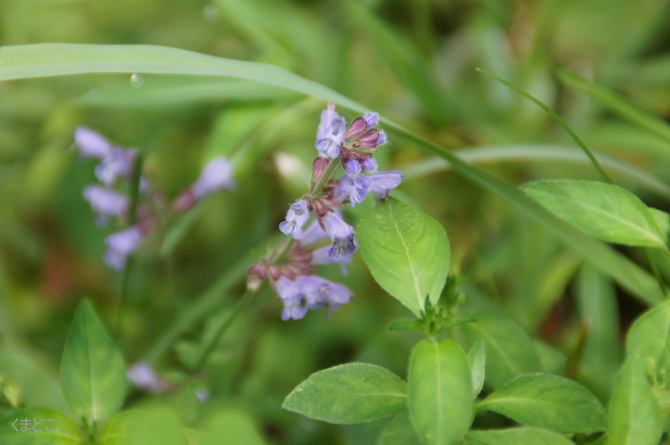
(440, 392)
(347, 394)
(407, 252)
(548, 401)
(92, 371)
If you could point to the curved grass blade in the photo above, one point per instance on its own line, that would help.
(55, 59)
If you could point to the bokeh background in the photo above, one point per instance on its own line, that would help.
(412, 61)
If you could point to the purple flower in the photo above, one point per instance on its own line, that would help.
(291, 295)
(322, 256)
(319, 292)
(105, 202)
(381, 140)
(371, 118)
(296, 217)
(216, 175)
(91, 144)
(354, 189)
(117, 164)
(313, 234)
(342, 235)
(144, 377)
(383, 182)
(330, 134)
(120, 245)
(369, 165)
(352, 167)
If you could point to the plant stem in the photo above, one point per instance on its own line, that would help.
(244, 301)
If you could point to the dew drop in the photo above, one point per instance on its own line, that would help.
(210, 13)
(136, 80)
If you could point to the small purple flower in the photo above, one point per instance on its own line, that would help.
(143, 376)
(354, 189)
(342, 235)
(383, 182)
(120, 245)
(352, 167)
(105, 202)
(381, 140)
(369, 165)
(313, 234)
(296, 217)
(322, 256)
(319, 292)
(330, 134)
(117, 164)
(216, 175)
(291, 295)
(91, 144)
(371, 118)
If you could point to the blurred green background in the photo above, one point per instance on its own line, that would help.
(412, 61)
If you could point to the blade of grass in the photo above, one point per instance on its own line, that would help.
(44, 60)
(617, 104)
(558, 119)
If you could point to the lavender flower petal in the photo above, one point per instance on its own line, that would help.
(296, 217)
(120, 245)
(106, 202)
(216, 175)
(383, 182)
(91, 144)
(117, 164)
(330, 134)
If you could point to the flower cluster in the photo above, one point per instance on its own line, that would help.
(118, 164)
(290, 268)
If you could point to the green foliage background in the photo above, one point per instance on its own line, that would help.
(413, 61)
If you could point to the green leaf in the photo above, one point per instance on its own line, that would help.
(348, 394)
(232, 427)
(605, 211)
(649, 339)
(407, 252)
(548, 401)
(440, 392)
(65, 430)
(516, 436)
(510, 351)
(399, 431)
(92, 371)
(153, 425)
(477, 363)
(634, 414)
(406, 325)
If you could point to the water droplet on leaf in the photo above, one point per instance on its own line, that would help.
(136, 80)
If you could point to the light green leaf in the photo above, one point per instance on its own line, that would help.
(153, 425)
(548, 401)
(407, 252)
(65, 431)
(634, 414)
(510, 351)
(398, 432)
(649, 339)
(348, 394)
(232, 426)
(477, 363)
(605, 211)
(440, 392)
(516, 436)
(92, 371)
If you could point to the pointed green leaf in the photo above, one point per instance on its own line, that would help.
(65, 431)
(152, 425)
(516, 436)
(399, 431)
(477, 363)
(407, 252)
(605, 211)
(510, 351)
(548, 401)
(348, 394)
(634, 414)
(233, 426)
(92, 371)
(649, 338)
(440, 392)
